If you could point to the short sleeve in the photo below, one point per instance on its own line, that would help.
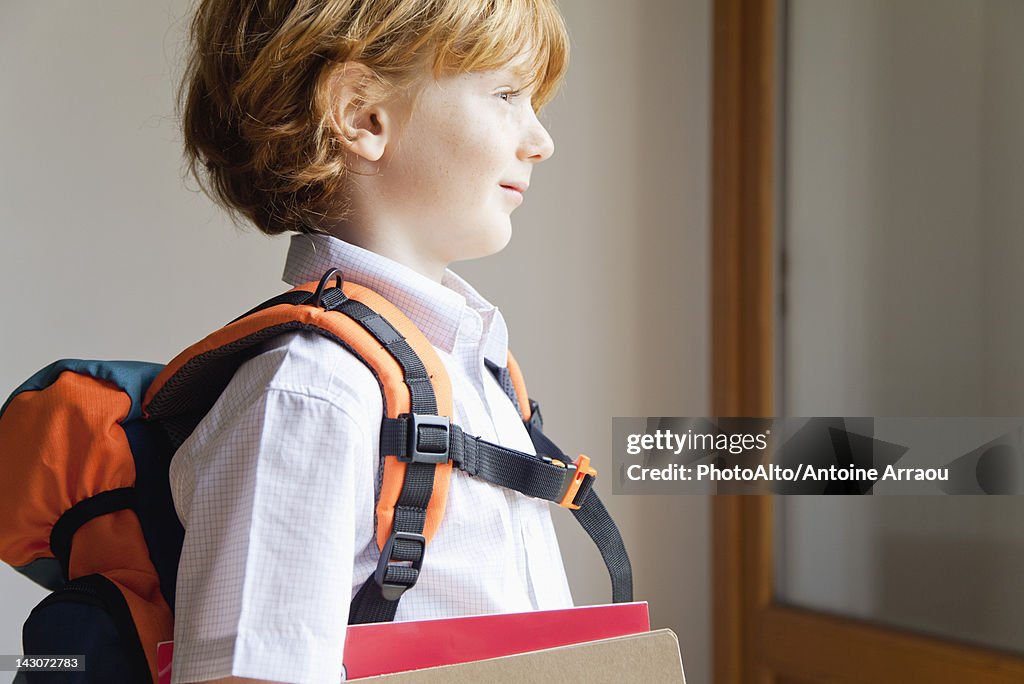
(273, 489)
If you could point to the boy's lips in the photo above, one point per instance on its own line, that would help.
(518, 187)
(515, 190)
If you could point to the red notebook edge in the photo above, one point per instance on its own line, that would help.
(390, 647)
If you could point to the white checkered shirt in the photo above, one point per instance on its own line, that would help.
(276, 490)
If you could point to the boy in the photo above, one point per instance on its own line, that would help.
(394, 137)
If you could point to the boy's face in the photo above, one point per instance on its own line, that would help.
(459, 165)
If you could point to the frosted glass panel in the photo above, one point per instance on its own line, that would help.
(904, 288)
(946, 566)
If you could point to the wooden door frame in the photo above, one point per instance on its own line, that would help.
(756, 639)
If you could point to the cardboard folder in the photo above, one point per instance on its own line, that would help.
(650, 658)
(384, 648)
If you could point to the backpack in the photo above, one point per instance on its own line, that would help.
(85, 449)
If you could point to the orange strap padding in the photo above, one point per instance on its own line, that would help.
(382, 364)
(520, 386)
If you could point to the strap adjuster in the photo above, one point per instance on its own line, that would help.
(576, 477)
(402, 577)
(424, 447)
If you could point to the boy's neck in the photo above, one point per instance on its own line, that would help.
(400, 251)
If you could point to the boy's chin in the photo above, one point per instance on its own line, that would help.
(501, 240)
(490, 242)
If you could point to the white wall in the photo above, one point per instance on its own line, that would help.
(106, 254)
(905, 163)
(1002, 205)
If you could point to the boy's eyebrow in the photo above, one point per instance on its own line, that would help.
(527, 77)
(524, 66)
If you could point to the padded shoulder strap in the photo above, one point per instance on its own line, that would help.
(590, 513)
(411, 376)
(522, 397)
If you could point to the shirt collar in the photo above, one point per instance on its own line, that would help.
(437, 309)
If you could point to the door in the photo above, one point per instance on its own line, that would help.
(922, 173)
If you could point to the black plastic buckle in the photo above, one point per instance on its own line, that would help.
(391, 590)
(570, 475)
(579, 479)
(414, 454)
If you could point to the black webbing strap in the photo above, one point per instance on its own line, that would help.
(597, 523)
(536, 476)
(402, 556)
(294, 297)
(504, 378)
(591, 514)
(63, 532)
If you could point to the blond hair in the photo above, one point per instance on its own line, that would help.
(256, 97)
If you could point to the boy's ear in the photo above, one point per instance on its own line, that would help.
(362, 123)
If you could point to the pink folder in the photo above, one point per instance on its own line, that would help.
(388, 647)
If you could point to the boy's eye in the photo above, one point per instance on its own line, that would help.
(508, 95)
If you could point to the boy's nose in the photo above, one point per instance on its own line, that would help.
(537, 144)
